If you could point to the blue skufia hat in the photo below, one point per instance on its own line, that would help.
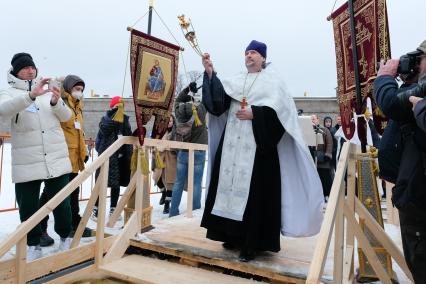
(258, 46)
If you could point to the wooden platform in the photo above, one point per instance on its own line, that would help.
(184, 238)
(140, 269)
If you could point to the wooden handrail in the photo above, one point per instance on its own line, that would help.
(35, 219)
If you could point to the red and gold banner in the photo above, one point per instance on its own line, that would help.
(153, 67)
(372, 41)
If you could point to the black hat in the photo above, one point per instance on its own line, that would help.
(20, 61)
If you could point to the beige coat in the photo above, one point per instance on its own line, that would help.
(39, 150)
(168, 174)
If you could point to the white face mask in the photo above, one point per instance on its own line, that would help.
(77, 95)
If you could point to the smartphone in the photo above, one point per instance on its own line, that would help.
(54, 83)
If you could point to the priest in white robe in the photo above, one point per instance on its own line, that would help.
(262, 179)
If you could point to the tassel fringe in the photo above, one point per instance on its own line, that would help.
(196, 118)
(159, 164)
(144, 163)
(134, 160)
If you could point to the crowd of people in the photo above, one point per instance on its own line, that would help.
(262, 178)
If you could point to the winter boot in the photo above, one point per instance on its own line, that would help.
(163, 196)
(166, 209)
(46, 240)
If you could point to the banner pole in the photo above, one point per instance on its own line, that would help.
(151, 4)
(356, 71)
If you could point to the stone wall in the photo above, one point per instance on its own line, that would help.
(94, 109)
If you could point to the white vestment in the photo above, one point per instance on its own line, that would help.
(301, 191)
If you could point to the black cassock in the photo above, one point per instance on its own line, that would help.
(260, 227)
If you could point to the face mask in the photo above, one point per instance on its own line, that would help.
(77, 95)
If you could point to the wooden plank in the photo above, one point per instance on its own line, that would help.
(172, 144)
(323, 242)
(8, 271)
(122, 202)
(249, 268)
(383, 238)
(139, 191)
(350, 186)
(87, 273)
(86, 215)
(339, 235)
(21, 260)
(50, 264)
(139, 269)
(103, 179)
(347, 265)
(190, 193)
(56, 262)
(120, 245)
(366, 247)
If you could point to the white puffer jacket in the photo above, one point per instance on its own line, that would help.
(39, 150)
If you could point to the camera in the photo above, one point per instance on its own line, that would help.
(408, 63)
(54, 83)
(418, 91)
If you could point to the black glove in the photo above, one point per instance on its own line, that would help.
(193, 87)
(86, 159)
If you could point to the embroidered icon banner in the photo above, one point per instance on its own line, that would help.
(372, 41)
(153, 66)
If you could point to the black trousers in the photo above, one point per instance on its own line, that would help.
(74, 203)
(27, 197)
(325, 175)
(413, 234)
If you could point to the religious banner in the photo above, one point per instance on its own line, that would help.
(372, 41)
(153, 66)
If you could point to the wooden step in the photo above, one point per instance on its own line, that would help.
(140, 269)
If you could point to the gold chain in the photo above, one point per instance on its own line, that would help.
(244, 87)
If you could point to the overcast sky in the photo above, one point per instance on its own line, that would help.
(89, 37)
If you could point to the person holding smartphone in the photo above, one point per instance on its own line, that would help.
(39, 150)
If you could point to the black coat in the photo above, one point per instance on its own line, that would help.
(119, 162)
(390, 147)
(420, 114)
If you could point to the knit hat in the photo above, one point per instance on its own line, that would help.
(119, 104)
(71, 81)
(258, 46)
(20, 61)
(115, 100)
(422, 47)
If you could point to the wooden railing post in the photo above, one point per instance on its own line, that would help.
(324, 237)
(21, 260)
(339, 235)
(140, 184)
(99, 248)
(349, 275)
(190, 183)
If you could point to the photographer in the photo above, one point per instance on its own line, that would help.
(409, 193)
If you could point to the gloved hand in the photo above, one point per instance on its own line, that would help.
(86, 159)
(193, 87)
